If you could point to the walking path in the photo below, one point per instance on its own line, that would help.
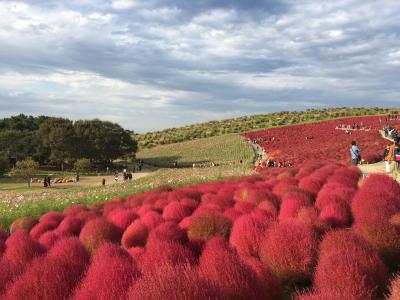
(258, 152)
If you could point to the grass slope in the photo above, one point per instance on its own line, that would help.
(223, 150)
(251, 123)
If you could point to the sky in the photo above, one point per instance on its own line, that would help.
(155, 64)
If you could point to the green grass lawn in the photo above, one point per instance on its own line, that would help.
(223, 150)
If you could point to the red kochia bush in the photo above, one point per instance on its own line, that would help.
(48, 238)
(207, 226)
(69, 226)
(41, 228)
(336, 215)
(311, 184)
(341, 274)
(395, 289)
(52, 216)
(361, 250)
(346, 176)
(246, 235)
(20, 250)
(167, 231)
(317, 296)
(271, 284)
(109, 276)
(96, 232)
(152, 219)
(175, 212)
(292, 202)
(165, 253)
(135, 235)
(334, 193)
(173, 282)
(289, 249)
(53, 276)
(121, 218)
(223, 267)
(24, 223)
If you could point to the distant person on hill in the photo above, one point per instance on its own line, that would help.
(45, 182)
(49, 181)
(103, 181)
(355, 154)
(389, 158)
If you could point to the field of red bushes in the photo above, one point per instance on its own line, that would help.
(317, 142)
(314, 232)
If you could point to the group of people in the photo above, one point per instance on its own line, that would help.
(272, 163)
(350, 127)
(47, 181)
(392, 132)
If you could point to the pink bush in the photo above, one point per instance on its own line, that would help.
(289, 249)
(292, 202)
(232, 214)
(175, 212)
(135, 235)
(185, 223)
(246, 236)
(144, 209)
(244, 207)
(223, 267)
(109, 276)
(48, 238)
(52, 217)
(268, 207)
(173, 282)
(348, 242)
(74, 209)
(53, 276)
(96, 232)
(69, 226)
(395, 289)
(167, 231)
(165, 253)
(336, 215)
(341, 274)
(152, 219)
(41, 228)
(311, 184)
(121, 218)
(334, 193)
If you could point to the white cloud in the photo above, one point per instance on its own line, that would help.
(123, 4)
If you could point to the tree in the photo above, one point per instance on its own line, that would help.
(4, 165)
(18, 145)
(57, 135)
(82, 165)
(26, 169)
(102, 141)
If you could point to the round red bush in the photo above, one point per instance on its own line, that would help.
(395, 289)
(98, 231)
(173, 282)
(175, 212)
(311, 184)
(122, 218)
(235, 279)
(152, 219)
(246, 236)
(109, 275)
(336, 215)
(69, 226)
(341, 274)
(292, 202)
(135, 235)
(165, 253)
(52, 217)
(53, 276)
(289, 249)
(48, 238)
(207, 226)
(167, 231)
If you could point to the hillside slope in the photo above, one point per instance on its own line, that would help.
(251, 123)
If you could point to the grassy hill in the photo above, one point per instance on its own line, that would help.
(223, 150)
(250, 123)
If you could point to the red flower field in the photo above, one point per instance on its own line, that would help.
(318, 231)
(323, 142)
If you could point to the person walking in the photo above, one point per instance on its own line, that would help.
(389, 158)
(355, 154)
(385, 158)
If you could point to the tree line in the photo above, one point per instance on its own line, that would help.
(56, 141)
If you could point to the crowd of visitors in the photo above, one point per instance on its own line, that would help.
(391, 132)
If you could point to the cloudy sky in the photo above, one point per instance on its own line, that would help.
(153, 64)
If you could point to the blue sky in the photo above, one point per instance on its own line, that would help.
(156, 64)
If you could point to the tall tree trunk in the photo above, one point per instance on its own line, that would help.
(62, 166)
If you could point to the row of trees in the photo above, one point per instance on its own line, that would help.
(49, 140)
